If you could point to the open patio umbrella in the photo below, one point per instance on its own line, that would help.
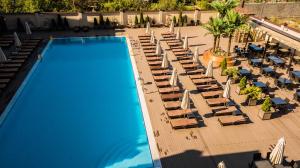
(276, 155)
(226, 92)
(17, 40)
(165, 61)
(185, 43)
(195, 57)
(171, 30)
(148, 28)
(174, 78)
(2, 56)
(158, 48)
(152, 38)
(178, 34)
(209, 70)
(221, 165)
(27, 28)
(185, 103)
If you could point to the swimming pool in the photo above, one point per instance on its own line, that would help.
(78, 107)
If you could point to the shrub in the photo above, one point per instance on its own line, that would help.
(180, 19)
(3, 26)
(95, 23)
(136, 21)
(252, 92)
(142, 21)
(185, 19)
(101, 20)
(147, 19)
(107, 22)
(266, 106)
(223, 66)
(53, 25)
(20, 26)
(203, 4)
(66, 23)
(60, 22)
(243, 83)
(174, 20)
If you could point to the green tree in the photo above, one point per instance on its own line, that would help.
(174, 20)
(215, 27)
(136, 21)
(233, 21)
(222, 6)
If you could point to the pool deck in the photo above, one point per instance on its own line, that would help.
(207, 145)
(211, 143)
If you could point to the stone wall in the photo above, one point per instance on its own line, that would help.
(279, 9)
(43, 20)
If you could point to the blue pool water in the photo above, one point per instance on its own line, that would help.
(78, 109)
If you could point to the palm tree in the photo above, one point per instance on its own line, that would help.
(215, 28)
(222, 6)
(233, 21)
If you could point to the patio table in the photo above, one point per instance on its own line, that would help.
(283, 82)
(277, 101)
(296, 75)
(268, 70)
(256, 61)
(255, 48)
(276, 60)
(244, 72)
(261, 85)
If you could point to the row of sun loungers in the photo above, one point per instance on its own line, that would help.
(15, 61)
(208, 87)
(170, 95)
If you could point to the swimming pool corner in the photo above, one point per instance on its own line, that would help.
(151, 140)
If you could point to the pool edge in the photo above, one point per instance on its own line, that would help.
(146, 117)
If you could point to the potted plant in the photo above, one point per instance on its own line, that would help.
(265, 113)
(253, 95)
(233, 74)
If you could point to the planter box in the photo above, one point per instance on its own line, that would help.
(264, 115)
(252, 102)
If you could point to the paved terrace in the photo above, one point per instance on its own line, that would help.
(211, 143)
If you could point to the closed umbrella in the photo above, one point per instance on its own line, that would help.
(2, 56)
(152, 38)
(185, 43)
(276, 155)
(209, 70)
(27, 28)
(165, 61)
(158, 48)
(226, 92)
(17, 40)
(174, 78)
(185, 103)
(196, 58)
(178, 34)
(221, 165)
(148, 28)
(171, 30)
